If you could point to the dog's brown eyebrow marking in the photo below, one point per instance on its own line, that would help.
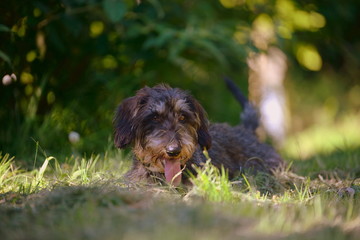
(181, 105)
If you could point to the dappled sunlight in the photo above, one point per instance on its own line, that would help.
(231, 3)
(324, 138)
(30, 56)
(308, 20)
(50, 97)
(309, 57)
(109, 62)
(354, 95)
(263, 31)
(293, 18)
(241, 35)
(26, 78)
(96, 28)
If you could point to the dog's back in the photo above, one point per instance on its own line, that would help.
(238, 148)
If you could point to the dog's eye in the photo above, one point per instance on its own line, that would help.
(155, 118)
(182, 118)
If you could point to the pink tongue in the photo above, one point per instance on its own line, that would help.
(172, 167)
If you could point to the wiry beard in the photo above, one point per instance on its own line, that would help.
(150, 149)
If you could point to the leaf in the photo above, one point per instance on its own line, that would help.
(5, 57)
(159, 41)
(211, 48)
(4, 28)
(115, 9)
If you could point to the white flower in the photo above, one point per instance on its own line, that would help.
(74, 137)
(13, 77)
(7, 80)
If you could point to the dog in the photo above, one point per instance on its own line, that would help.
(168, 131)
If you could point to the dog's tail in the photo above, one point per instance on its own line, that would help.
(249, 116)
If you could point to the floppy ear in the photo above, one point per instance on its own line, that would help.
(204, 138)
(123, 122)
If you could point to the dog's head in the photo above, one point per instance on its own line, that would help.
(164, 125)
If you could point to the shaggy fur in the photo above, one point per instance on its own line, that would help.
(168, 131)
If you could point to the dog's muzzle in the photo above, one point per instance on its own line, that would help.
(172, 166)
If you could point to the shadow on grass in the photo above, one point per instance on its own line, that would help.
(109, 212)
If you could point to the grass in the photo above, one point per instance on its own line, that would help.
(87, 198)
(325, 137)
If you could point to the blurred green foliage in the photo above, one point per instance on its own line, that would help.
(74, 61)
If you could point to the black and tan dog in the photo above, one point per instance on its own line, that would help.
(168, 131)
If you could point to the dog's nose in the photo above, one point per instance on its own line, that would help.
(173, 150)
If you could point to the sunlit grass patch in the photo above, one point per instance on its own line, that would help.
(319, 211)
(8, 172)
(211, 183)
(343, 163)
(281, 187)
(325, 138)
(73, 172)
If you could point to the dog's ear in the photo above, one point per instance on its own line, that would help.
(204, 138)
(123, 122)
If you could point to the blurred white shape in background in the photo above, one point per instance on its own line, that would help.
(74, 137)
(266, 77)
(8, 79)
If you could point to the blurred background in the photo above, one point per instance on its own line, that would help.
(66, 64)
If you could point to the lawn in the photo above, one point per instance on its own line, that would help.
(89, 199)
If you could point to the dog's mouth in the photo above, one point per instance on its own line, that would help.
(171, 167)
(173, 172)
